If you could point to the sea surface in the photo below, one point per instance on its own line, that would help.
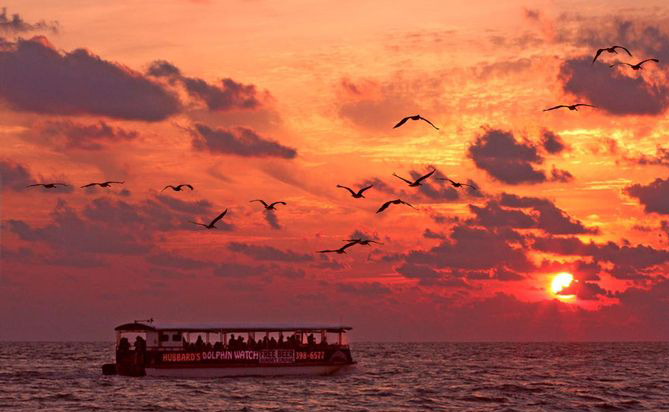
(388, 377)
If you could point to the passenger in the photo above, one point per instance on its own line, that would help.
(310, 340)
(324, 340)
(199, 343)
(252, 343)
(232, 343)
(265, 342)
(272, 343)
(124, 345)
(140, 344)
(218, 346)
(209, 346)
(240, 342)
(281, 342)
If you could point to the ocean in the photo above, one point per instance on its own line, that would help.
(389, 377)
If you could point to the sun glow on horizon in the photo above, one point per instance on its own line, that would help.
(561, 281)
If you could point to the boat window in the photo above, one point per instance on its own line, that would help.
(176, 337)
(164, 337)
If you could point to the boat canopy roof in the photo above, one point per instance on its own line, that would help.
(229, 327)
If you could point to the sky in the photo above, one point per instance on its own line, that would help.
(283, 101)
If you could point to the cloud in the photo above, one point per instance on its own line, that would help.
(268, 253)
(661, 158)
(611, 90)
(14, 176)
(15, 24)
(559, 175)
(429, 234)
(226, 96)
(40, 79)
(505, 159)
(271, 219)
(552, 142)
(239, 141)
(86, 136)
(364, 289)
(652, 196)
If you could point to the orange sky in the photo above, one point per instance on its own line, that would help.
(283, 101)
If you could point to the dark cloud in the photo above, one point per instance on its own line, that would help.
(269, 253)
(173, 260)
(15, 24)
(612, 90)
(364, 289)
(239, 141)
(661, 158)
(506, 275)
(652, 196)
(238, 270)
(271, 219)
(583, 290)
(427, 276)
(559, 175)
(429, 234)
(14, 176)
(86, 136)
(435, 189)
(552, 142)
(38, 78)
(505, 159)
(226, 96)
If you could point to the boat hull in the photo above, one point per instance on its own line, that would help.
(225, 371)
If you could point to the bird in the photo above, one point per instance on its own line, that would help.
(48, 185)
(270, 206)
(417, 181)
(636, 66)
(416, 117)
(457, 184)
(178, 188)
(212, 225)
(611, 49)
(356, 195)
(103, 184)
(393, 202)
(363, 242)
(569, 106)
(340, 250)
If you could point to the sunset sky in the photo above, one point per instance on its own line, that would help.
(283, 100)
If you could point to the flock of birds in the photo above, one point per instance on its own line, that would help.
(359, 194)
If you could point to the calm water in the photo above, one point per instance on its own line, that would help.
(389, 377)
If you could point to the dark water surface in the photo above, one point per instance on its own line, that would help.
(388, 377)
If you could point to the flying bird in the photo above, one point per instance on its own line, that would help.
(393, 202)
(363, 242)
(569, 106)
(270, 206)
(457, 184)
(212, 225)
(416, 117)
(178, 188)
(417, 181)
(103, 184)
(359, 193)
(48, 185)
(636, 66)
(340, 250)
(611, 49)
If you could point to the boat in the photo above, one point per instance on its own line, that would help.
(221, 350)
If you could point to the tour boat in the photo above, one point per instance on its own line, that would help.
(219, 350)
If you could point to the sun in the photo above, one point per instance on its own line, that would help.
(561, 281)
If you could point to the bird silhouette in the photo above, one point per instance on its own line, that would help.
(340, 250)
(611, 49)
(569, 106)
(359, 193)
(636, 66)
(212, 224)
(178, 188)
(48, 185)
(416, 117)
(393, 202)
(457, 184)
(417, 181)
(363, 242)
(270, 206)
(103, 184)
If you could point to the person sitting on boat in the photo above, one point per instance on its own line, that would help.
(140, 344)
(311, 342)
(218, 346)
(240, 342)
(124, 345)
(199, 343)
(324, 341)
(272, 343)
(281, 344)
(265, 342)
(251, 343)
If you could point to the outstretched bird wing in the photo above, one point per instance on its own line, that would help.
(472, 186)
(422, 118)
(617, 63)
(326, 251)
(599, 51)
(196, 223)
(173, 188)
(90, 184)
(384, 206)
(401, 122)
(555, 107)
(420, 179)
(213, 222)
(364, 188)
(348, 245)
(406, 203)
(400, 177)
(114, 182)
(583, 104)
(36, 184)
(186, 185)
(647, 60)
(277, 203)
(621, 47)
(347, 188)
(261, 201)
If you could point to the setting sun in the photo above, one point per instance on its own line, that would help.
(561, 281)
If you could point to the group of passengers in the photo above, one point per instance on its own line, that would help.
(238, 343)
